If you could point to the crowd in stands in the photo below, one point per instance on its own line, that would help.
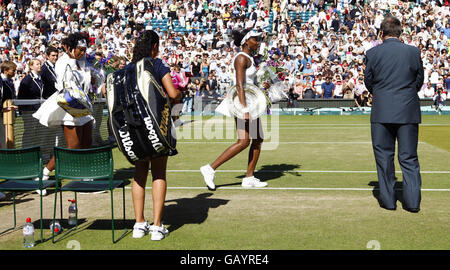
(321, 43)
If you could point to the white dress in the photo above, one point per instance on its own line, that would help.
(250, 73)
(50, 114)
(250, 77)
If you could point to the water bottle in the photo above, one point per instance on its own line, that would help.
(28, 234)
(56, 227)
(72, 213)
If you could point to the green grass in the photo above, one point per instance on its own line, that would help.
(320, 195)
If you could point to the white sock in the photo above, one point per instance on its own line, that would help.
(140, 223)
(46, 171)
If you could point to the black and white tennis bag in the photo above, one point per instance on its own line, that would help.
(140, 112)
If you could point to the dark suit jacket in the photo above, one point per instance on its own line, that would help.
(5, 91)
(29, 89)
(394, 74)
(49, 80)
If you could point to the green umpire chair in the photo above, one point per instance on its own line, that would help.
(86, 170)
(22, 171)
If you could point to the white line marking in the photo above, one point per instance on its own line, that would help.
(293, 124)
(294, 171)
(307, 171)
(198, 125)
(227, 142)
(290, 188)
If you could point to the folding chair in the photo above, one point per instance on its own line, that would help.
(88, 170)
(19, 167)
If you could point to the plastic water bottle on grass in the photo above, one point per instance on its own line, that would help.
(28, 234)
(72, 213)
(56, 227)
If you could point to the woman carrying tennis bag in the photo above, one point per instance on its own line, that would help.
(139, 107)
(140, 112)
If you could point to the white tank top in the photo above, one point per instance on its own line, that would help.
(250, 73)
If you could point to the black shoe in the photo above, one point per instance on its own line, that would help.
(413, 210)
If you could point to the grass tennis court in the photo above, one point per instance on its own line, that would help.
(321, 194)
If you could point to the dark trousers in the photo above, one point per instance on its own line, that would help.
(384, 137)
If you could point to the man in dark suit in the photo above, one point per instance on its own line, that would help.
(53, 135)
(394, 74)
(48, 74)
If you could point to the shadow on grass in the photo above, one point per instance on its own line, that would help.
(69, 231)
(189, 210)
(21, 197)
(398, 188)
(269, 172)
(177, 212)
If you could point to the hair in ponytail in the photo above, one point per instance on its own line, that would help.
(238, 36)
(144, 45)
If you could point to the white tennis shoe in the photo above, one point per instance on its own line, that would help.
(252, 182)
(45, 177)
(158, 232)
(208, 175)
(140, 229)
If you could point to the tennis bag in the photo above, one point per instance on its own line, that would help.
(139, 111)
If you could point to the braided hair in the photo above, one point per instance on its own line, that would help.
(144, 45)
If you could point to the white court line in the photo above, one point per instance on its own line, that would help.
(277, 127)
(293, 124)
(294, 171)
(197, 124)
(227, 142)
(289, 188)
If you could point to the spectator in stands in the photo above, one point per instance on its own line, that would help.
(308, 73)
(427, 91)
(196, 66)
(212, 85)
(298, 85)
(338, 91)
(362, 100)
(318, 81)
(204, 67)
(188, 96)
(328, 89)
(439, 99)
(347, 88)
(359, 86)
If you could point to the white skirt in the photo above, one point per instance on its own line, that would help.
(50, 114)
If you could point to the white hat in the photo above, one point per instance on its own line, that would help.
(250, 34)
